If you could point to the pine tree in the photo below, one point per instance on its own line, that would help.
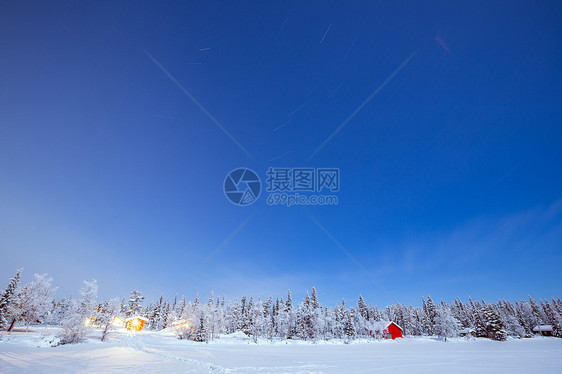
(201, 333)
(303, 318)
(362, 308)
(235, 317)
(478, 320)
(431, 314)
(538, 313)
(521, 320)
(7, 299)
(155, 315)
(339, 322)
(349, 328)
(315, 322)
(291, 316)
(314, 303)
(527, 317)
(495, 326)
(133, 306)
(88, 294)
(554, 319)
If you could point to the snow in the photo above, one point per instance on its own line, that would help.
(545, 328)
(161, 352)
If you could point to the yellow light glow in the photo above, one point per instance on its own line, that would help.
(135, 324)
(88, 322)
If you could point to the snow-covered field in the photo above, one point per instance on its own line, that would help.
(150, 352)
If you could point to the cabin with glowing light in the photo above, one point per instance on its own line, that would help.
(135, 323)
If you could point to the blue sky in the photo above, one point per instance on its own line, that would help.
(450, 174)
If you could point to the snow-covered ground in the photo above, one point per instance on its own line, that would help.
(149, 352)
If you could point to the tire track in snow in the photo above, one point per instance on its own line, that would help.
(134, 343)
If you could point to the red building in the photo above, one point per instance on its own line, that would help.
(390, 331)
(393, 331)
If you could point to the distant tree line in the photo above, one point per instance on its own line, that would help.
(272, 319)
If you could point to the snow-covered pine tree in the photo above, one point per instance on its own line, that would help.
(349, 328)
(272, 321)
(291, 316)
(268, 311)
(508, 315)
(316, 323)
(512, 325)
(87, 304)
(329, 323)
(180, 306)
(398, 315)
(528, 318)
(220, 318)
(214, 318)
(282, 320)
(538, 312)
(340, 321)
(408, 321)
(304, 319)
(431, 314)
(426, 322)
(417, 321)
(557, 304)
(7, 299)
(257, 318)
(554, 319)
(133, 305)
(201, 332)
(234, 317)
(247, 320)
(155, 314)
(494, 325)
(314, 303)
(478, 319)
(167, 317)
(522, 320)
(362, 308)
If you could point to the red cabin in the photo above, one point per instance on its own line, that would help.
(390, 331)
(393, 331)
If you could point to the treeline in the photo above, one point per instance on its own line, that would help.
(272, 319)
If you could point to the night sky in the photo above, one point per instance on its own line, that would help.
(119, 122)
